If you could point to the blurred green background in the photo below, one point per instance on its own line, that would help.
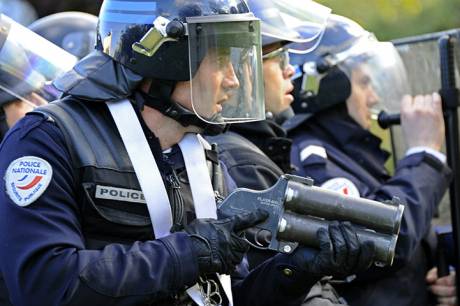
(390, 19)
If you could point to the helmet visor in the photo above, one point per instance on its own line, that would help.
(28, 64)
(377, 75)
(280, 19)
(308, 18)
(226, 68)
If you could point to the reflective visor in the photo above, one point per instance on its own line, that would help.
(377, 74)
(306, 17)
(280, 20)
(226, 68)
(28, 64)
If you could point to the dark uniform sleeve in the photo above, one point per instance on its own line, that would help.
(246, 164)
(274, 282)
(420, 181)
(43, 255)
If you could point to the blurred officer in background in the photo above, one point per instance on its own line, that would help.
(90, 175)
(348, 76)
(26, 81)
(28, 64)
(74, 32)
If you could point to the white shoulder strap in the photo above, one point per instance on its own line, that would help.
(192, 147)
(198, 176)
(151, 182)
(144, 165)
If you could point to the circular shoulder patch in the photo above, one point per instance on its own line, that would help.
(342, 185)
(27, 178)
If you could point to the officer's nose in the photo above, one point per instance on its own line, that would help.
(372, 97)
(230, 79)
(288, 72)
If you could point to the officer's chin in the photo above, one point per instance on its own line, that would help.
(366, 124)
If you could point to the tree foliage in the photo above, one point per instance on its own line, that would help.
(390, 19)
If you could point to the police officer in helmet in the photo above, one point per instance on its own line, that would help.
(258, 153)
(74, 32)
(267, 135)
(28, 64)
(90, 175)
(345, 79)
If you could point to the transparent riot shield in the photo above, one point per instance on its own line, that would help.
(433, 64)
(421, 57)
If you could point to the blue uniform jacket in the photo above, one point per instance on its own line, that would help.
(44, 260)
(331, 145)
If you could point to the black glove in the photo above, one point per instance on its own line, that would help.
(218, 244)
(340, 254)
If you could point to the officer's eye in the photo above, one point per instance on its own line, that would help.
(364, 81)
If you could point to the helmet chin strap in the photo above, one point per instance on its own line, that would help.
(159, 98)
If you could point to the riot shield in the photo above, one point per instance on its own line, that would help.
(421, 57)
(433, 64)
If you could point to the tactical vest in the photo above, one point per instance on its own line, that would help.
(111, 203)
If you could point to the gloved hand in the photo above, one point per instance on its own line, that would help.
(218, 244)
(340, 254)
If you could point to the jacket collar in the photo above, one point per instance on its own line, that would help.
(355, 141)
(97, 77)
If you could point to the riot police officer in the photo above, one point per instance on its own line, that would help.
(258, 153)
(28, 63)
(27, 66)
(345, 78)
(90, 175)
(74, 32)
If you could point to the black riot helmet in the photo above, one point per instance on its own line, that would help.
(327, 73)
(74, 32)
(167, 42)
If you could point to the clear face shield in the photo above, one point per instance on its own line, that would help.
(226, 68)
(306, 17)
(28, 65)
(281, 20)
(378, 76)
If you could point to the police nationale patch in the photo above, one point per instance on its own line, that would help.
(342, 185)
(27, 178)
